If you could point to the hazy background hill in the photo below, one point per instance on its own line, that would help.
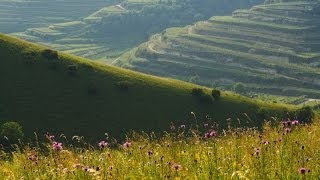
(45, 91)
(106, 33)
(271, 48)
(18, 15)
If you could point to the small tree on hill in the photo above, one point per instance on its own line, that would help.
(201, 95)
(305, 114)
(49, 54)
(11, 131)
(215, 94)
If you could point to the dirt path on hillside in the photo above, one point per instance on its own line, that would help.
(309, 100)
(121, 7)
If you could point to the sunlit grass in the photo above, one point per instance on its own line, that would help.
(277, 152)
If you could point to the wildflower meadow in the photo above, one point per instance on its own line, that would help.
(288, 150)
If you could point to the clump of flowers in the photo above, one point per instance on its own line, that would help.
(286, 123)
(33, 158)
(176, 166)
(210, 134)
(288, 130)
(302, 170)
(57, 146)
(295, 122)
(103, 144)
(127, 144)
(257, 151)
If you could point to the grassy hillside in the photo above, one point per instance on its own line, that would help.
(18, 15)
(76, 96)
(114, 29)
(271, 48)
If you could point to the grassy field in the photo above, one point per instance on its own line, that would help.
(77, 96)
(282, 151)
(270, 48)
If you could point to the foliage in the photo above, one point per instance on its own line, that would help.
(11, 132)
(306, 114)
(201, 95)
(215, 94)
(280, 152)
(49, 54)
(124, 85)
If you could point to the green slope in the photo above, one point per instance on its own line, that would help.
(271, 48)
(46, 95)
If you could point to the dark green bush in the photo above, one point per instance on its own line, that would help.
(215, 94)
(72, 69)
(305, 114)
(29, 57)
(49, 54)
(123, 85)
(11, 132)
(200, 95)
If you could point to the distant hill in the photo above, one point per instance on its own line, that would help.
(18, 15)
(46, 91)
(270, 48)
(113, 29)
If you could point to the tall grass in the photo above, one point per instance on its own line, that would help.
(277, 152)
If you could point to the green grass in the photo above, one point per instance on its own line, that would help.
(43, 96)
(277, 152)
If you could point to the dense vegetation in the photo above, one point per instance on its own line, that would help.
(289, 150)
(18, 15)
(45, 90)
(271, 48)
(111, 30)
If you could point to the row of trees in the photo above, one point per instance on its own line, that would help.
(154, 18)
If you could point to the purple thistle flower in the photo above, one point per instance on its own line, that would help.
(257, 151)
(288, 130)
(295, 122)
(57, 146)
(103, 144)
(302, 170)
(286, 123)
(176, 166)
(206, 135)
(150, 152)
(212, 134)
(265, 142)
(127, 144)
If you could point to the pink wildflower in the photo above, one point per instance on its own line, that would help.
(57, 146)
(103, 144)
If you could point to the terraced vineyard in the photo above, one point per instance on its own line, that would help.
(18, 15)
(108, 32)
(271, 48)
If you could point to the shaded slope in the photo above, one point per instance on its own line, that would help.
(77, 96)
(272, 48)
